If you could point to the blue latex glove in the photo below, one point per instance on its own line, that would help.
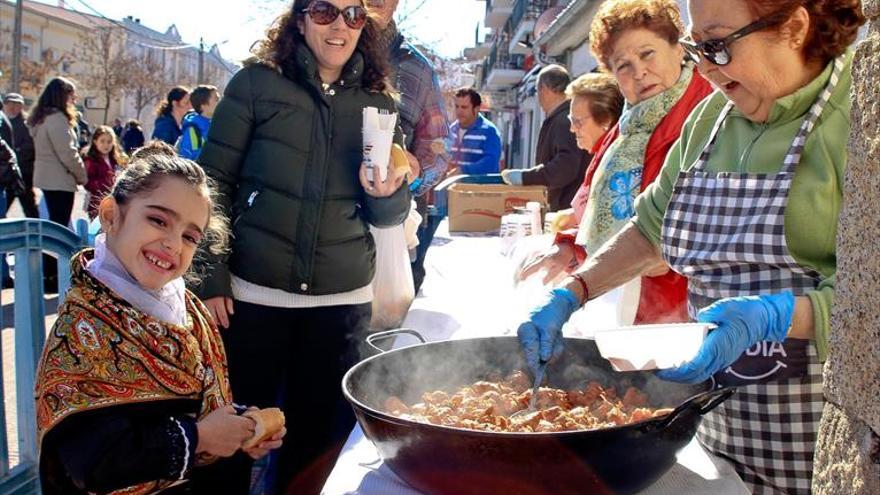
(540, 337)
(742, 322)
(512, 177)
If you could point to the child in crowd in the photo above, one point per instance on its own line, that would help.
(132, 136)
(132, 389)
(102, 158)
(195, 125)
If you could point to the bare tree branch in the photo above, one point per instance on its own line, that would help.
(405, 13)
(103, 62)
(147, 82)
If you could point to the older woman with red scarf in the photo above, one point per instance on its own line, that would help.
(636, 41)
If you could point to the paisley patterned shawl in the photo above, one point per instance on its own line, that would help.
(102, 353)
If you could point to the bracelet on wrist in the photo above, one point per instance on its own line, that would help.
(580, 279)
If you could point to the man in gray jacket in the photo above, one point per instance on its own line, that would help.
(561, 165)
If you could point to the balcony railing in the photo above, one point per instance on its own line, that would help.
(525, 10)
(502, 69)
(500, 58)
(522, 23)
(497, 13)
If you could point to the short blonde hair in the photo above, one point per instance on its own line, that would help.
(605, 99)
(616, 17)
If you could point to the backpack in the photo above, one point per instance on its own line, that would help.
(196, 139)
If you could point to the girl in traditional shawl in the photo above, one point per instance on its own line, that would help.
(132, 388)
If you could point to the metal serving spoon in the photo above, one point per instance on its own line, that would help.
(539, 377)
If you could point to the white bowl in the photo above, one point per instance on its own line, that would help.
(649, 347)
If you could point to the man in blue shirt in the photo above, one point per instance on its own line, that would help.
(477, 148)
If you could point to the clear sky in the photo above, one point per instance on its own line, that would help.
(446, 25)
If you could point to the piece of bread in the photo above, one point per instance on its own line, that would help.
(268, 421)
(400, 162)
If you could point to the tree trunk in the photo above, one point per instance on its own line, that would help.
(106, 106)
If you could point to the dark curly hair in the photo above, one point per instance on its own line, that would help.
(283, 37)
(834, 24)
(616, 17)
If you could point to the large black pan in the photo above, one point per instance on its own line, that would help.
(439, 460)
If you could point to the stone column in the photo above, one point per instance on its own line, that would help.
(848, 450)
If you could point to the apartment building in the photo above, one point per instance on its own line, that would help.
(51, 38)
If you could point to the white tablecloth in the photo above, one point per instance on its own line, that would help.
(468, 292)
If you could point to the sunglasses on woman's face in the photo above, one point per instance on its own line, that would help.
(717, 50)
(324, 13)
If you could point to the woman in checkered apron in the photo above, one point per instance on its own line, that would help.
(746, 208)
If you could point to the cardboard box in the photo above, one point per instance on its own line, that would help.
(479, 207)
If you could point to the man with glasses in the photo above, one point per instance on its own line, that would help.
(561, 165)
(422, 117)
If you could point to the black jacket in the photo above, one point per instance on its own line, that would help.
(23, 144)
(120, 446)
(561, 164)
(132, 138)
(10, 175)
(285, 154)
(6, 132)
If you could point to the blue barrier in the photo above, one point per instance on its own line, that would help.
(28, 239)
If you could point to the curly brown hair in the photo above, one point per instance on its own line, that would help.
(283, 37)
(616, 17)
(834, 24)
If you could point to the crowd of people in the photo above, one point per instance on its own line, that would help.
(701, 167)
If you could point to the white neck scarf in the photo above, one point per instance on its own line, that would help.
(167, 304)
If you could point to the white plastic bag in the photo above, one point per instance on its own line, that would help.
(411, 227)
(393, 290)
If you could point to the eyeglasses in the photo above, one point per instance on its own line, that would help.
(717, 50)
(577, 123)
(324, 13)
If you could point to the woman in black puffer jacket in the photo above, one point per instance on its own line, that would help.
(285, 150)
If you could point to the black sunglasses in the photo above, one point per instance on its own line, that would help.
(323, 13)
(717, 51)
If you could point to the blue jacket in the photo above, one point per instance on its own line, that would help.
(194, 135)
(165, 129)
(479, 151)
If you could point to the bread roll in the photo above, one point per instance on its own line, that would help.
(400, 162)
(268, 421)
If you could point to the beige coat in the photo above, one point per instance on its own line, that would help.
(57, 166)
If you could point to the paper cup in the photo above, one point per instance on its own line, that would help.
(377, 152)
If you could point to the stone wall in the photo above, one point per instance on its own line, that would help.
(848, 451)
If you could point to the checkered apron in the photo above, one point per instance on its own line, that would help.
(726, 233)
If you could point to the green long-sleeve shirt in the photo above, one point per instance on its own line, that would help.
(760, 147)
